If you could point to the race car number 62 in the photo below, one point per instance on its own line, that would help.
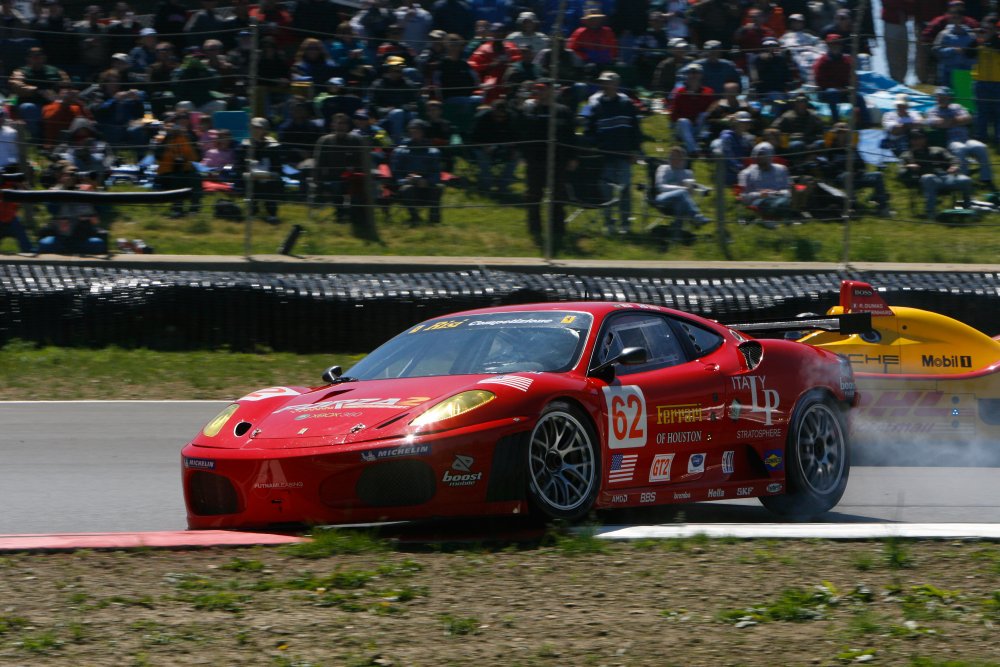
(626, 417)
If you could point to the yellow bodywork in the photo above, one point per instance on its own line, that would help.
(912, 341)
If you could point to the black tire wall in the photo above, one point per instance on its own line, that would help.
(90, 306)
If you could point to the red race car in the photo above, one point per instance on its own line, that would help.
(552, 408)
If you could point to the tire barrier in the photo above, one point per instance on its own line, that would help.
(92, 306)
(93, 197)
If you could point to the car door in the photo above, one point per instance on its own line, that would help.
(662, 416)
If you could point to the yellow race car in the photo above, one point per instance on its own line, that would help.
(920, 375)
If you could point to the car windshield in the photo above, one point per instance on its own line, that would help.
(475, 344)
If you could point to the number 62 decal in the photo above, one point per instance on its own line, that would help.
(626, 417)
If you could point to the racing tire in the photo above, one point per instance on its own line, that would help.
(817, 460)
(564, 463)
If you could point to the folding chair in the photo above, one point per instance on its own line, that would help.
(585, 190)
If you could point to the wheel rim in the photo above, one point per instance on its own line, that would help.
(561, 461)
(821, 449)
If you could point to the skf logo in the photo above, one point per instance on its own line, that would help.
(945, 361)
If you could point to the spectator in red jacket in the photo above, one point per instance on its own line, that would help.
(594, 42)
(832, 72)
(688, 106)
(59, 114)
(492, 58)
(749, 37)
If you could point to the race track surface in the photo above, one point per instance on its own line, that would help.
(115, 466)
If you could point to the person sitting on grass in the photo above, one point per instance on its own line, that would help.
(955, 120)
(766, 187)
(73, 228)
(674, 186)
(935, 170)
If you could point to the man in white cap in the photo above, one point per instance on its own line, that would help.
(898, 123)
(143, 55)
(735, 144)
(674, 185)
(265, 170)
(527, 35)
(766, 186)
(804, 46)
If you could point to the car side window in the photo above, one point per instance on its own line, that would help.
(701, 340)
(646, 330)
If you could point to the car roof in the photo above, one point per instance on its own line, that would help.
(597, 308)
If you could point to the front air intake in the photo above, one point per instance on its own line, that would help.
(209, 494)
(752, 352)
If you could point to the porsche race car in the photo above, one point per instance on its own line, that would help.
(920, 374)
(556, 409)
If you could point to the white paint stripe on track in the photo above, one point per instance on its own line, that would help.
(825, 531)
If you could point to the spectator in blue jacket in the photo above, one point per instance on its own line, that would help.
(951, 48)
(735, 145)
(613, 129)
(416, 169)
(716, 70)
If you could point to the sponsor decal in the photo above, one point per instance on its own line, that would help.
(302, 431)
(945, 361)
(761, 398)
(358, 404)
(727, 462)
(626, 417)
(716, 493)
(682, 495)
(619, 498)
(446, 324)
(696, 464)
(849, 388)
(356, 428)
(659, 471)
(396, 452)
(493, 323)
(888, 427)
(773, 459)
(773, 488)
(622, 468)
(744, 490)
(758, 433)
(647, 497)
(199, 464)
(515, 381)
(681, 437)
(279, 485)
(569, 319)
(859, 359)
(735, 408)
(270, 392)
(686, 413)
(326, 415)
(464, 465)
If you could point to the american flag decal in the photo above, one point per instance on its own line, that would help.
(622, 467)
(515, 381)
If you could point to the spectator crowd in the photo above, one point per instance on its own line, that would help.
(353, 107)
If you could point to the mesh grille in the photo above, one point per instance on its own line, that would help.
(753, 352)
(396, 484)
(210, 494)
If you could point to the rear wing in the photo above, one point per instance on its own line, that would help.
(853, 323)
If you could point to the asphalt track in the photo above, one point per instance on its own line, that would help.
(73, 467)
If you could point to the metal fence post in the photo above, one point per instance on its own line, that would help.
(251, 149)
(852, 126)
(720, 203)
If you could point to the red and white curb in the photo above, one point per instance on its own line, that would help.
(178, 539)
(822, 531)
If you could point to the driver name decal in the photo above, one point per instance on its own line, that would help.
(626, 408)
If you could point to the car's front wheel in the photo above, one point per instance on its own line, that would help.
(564, 463)
(817, 460)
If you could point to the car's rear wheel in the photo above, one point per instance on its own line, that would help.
(564, 463)
(817, 460)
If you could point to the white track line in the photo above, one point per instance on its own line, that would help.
(825, 531)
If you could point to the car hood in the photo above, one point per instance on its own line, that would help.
(357, 411)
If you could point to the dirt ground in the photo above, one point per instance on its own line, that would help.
(574, 602)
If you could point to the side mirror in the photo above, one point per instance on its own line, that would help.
(331, 374)
(630, 356)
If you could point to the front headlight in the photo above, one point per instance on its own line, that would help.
(213, 427)
(457, 405)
